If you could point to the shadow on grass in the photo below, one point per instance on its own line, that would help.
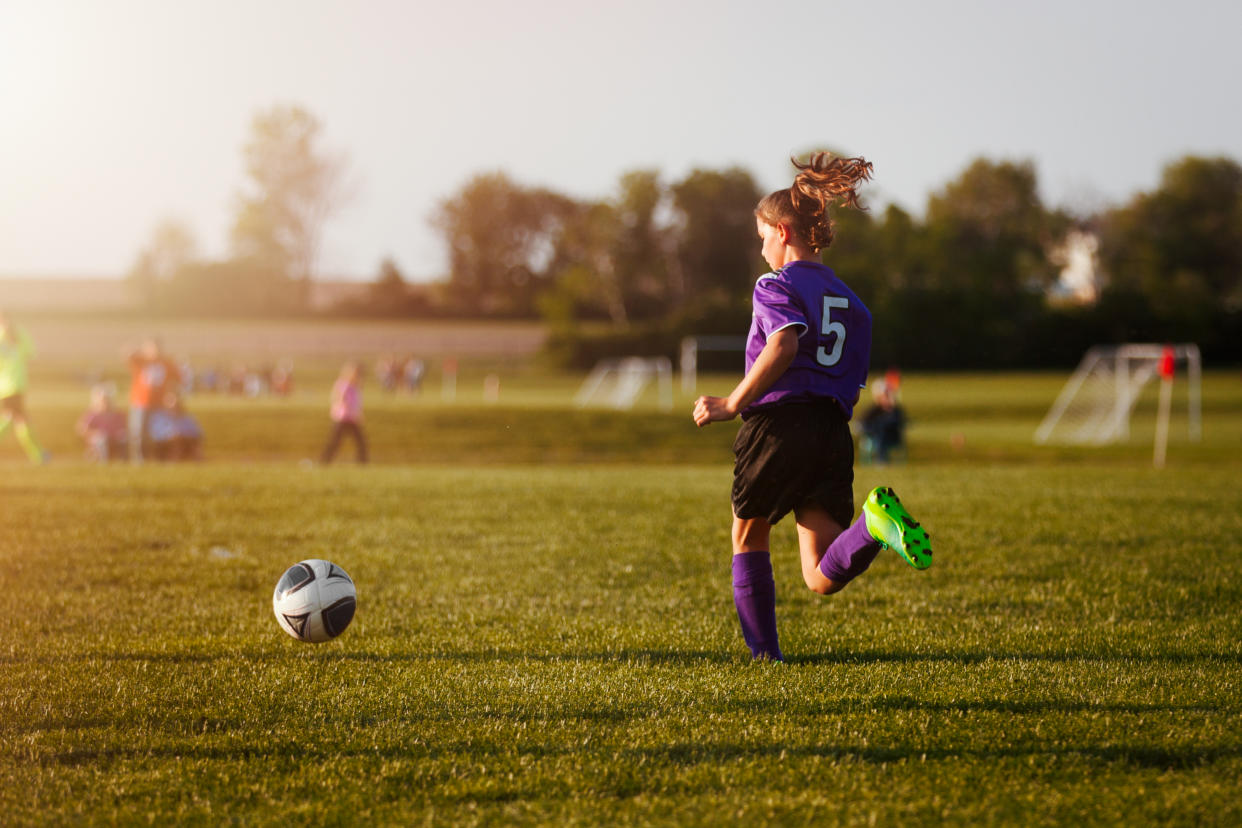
(1142, 756)
(906, 657)
(678, 754)
(638, 656)
(864, 704)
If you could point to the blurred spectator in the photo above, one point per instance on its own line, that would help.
(414, 371)
(892, 381)
(255, 383)
(175, 434)
(102, 426)
(282, 378)
(883, 425)
(237, 379)
(209, 379)
(388, 372)
(151, 375)
(346, 413)
(187, 376)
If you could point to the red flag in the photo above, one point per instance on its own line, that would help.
(1166, 363)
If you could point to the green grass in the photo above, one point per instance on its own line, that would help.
(545, 630)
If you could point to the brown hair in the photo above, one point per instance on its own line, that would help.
(823, 180)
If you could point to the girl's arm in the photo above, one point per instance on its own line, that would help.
(773, 360)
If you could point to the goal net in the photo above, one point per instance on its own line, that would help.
(618, 383)
(1095, 405)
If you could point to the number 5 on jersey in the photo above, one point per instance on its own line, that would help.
(823, 356)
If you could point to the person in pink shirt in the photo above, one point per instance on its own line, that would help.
(346, 413)
(103, 427)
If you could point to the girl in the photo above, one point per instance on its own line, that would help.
(16, 349)
(806, 361)
(346, 412)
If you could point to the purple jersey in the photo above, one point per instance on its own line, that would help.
(834, 337)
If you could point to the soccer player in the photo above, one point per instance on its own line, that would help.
(346, 413)
(16, 348)
(806, 361)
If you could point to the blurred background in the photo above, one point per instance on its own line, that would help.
(518, 191)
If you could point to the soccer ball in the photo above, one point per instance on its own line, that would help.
(314, 600)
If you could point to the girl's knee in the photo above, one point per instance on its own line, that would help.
(819, 583)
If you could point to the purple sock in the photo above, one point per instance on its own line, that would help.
(850, 554)
(754, 595)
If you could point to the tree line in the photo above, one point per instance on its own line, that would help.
(973, 283)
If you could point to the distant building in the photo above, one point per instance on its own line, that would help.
(1078, 257)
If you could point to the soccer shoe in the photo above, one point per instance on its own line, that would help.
(893, 528)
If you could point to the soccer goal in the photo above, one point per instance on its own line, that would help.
(618, 383)
(691, 346)
(1095, 405)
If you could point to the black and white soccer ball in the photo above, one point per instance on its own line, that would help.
(314, 600)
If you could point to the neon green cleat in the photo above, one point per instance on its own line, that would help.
(893, 528)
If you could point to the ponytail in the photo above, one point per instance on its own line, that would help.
(822, 181)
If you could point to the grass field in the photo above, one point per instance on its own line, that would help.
(546, 634)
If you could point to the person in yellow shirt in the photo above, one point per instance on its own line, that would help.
(15, 352)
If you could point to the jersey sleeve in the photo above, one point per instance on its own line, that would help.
(776, 307)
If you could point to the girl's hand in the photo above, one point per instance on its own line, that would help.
(712, 409)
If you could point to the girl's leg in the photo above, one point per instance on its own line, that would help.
(334, 440)
(883, 523)
(21, 429)
(754, 589)
(360, 442)
(816, 532)
(137, 433)
(848, 556)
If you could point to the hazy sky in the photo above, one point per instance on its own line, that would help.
(117, 113)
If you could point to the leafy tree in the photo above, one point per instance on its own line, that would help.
(171, 248)
(1181, 245)
(389, 291)
(587, 278)
(644, 245)
(987, 232)
(293, 188)
(612, 257)
(502, 239)
(717, 252)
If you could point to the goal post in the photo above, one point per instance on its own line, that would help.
(1095, 405)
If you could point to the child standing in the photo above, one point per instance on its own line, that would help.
(807, 356)
(103, 427)
(346, 413)
(16, 348)
(151, 374)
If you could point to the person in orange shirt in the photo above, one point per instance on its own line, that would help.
(151, 374)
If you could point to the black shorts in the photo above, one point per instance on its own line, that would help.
(792, 455)
(12, 405)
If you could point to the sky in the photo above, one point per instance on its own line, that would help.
(118, 114)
